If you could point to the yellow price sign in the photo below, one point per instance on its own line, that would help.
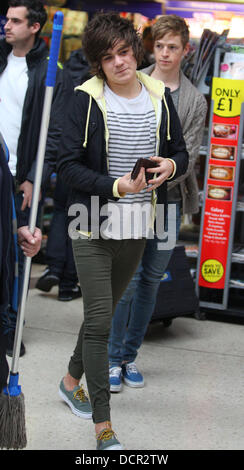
(212, 270)
(228, 96)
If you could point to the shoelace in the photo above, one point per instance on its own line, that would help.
(115, 371)
(80, 395)
(106, 435)
(131, 368)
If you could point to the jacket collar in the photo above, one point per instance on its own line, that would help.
(38, 52)
(94, 86)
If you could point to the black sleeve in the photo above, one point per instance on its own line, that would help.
(79, 166)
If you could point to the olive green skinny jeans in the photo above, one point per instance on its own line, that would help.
(104, 269)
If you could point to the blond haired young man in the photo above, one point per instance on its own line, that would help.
(134, 310)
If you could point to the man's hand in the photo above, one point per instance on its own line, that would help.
(165, 169)
(29, 243)
(127, 185)
(27, 188)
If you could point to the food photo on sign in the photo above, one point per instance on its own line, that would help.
(225, 131)
(220, 193)
(223, 152)
(224, 173)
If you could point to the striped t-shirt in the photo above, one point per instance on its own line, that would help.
(132, 134)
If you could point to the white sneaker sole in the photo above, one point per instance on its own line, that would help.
(133, 384)
(116, 388)
(73, 409)
(115, 447)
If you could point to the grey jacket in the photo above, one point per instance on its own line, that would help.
(192, 109)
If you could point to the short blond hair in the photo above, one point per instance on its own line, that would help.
(171, 24)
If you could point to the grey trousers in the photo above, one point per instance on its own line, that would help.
(104, 269)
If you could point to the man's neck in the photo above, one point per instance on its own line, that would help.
(21, 50)
(130, 91)
(171, 79)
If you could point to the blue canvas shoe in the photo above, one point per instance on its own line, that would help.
(131, 376)
(115, 378)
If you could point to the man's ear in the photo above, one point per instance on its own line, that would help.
(35, 27)
(186, 49)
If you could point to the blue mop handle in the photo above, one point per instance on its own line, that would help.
(50, 83)
(54, 50)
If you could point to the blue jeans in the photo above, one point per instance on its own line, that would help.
(134, 310)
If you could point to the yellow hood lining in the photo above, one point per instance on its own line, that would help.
(94, 88)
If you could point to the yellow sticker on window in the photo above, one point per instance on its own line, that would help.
(228, 96)
(212, 270)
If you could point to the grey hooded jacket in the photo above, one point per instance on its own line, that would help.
(192, 109)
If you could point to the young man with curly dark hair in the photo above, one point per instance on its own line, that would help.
(113, 119)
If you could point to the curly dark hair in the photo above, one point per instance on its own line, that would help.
(102, 32)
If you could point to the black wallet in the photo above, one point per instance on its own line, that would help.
(145, 163)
